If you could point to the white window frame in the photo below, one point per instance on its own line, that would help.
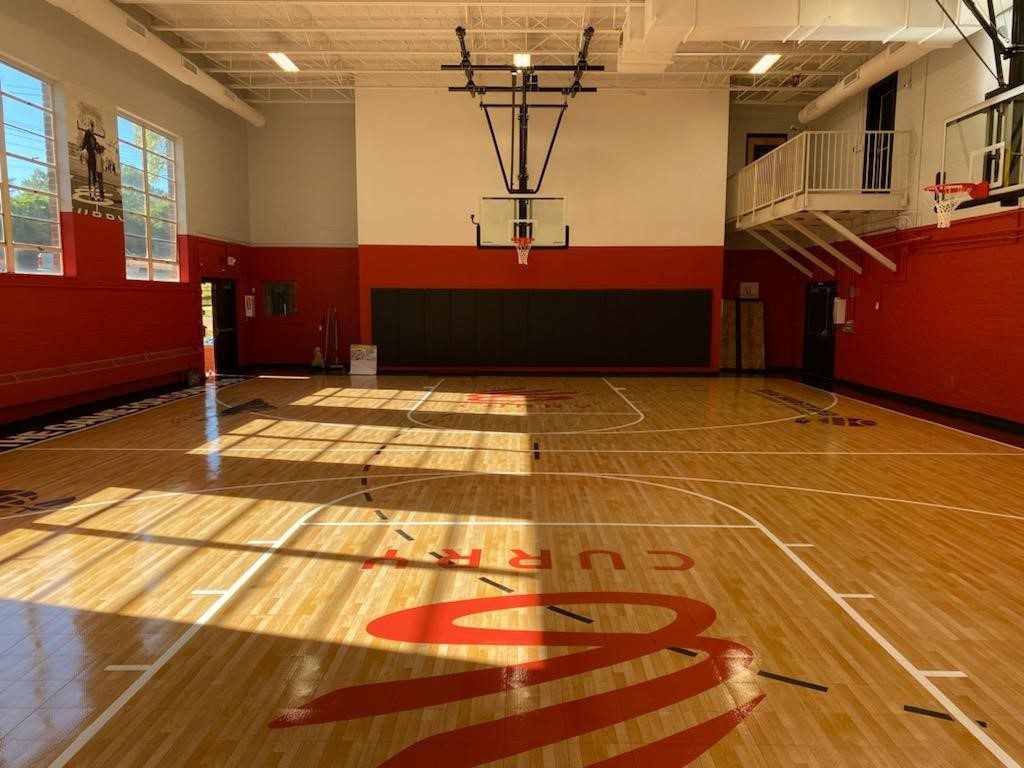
(8, 246)
(173, 159)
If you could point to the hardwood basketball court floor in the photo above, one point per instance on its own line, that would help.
(500, 571)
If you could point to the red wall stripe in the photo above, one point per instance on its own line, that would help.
(947, 328)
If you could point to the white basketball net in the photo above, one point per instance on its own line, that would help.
(945, 207)
(949, 197)
(523, 245)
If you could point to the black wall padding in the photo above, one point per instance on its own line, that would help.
(442, 327)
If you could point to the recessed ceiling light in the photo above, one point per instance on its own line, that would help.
(765, 63)
(284, 62)
(521, 60)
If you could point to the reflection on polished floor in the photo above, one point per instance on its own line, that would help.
(500, 571)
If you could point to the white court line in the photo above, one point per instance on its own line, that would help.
(943, 673)
(926, 421)
(386, 475)
(400, 448)
(96, 725)
(426, 396)
(127, 668)
(856, 596)
(530, 414)
(126, 416)
(823, 491)
(633, 410)
(87, 734)
(516, 524)
(598, 432)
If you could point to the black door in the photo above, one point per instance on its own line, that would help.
(225, 325)
(878, 147)
(819, 331)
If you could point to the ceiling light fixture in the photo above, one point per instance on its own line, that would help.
(521, 61)
(284, 62)
(765, 63)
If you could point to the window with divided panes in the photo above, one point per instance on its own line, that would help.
(149, 192)
(29, 204)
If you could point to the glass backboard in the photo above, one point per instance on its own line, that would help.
(984, 143)
(542, 218)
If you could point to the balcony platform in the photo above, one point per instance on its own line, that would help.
(799, 195)
(840, 205)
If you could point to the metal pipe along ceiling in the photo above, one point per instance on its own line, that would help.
(892, 59)
(105, 17)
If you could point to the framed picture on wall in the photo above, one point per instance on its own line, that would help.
(760, 144)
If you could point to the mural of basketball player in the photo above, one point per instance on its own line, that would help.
(93, 156)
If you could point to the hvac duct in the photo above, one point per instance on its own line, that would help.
(892, 59)
(105, 17)
(653, 31)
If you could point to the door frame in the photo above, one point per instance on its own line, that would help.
(834, 291)
(878, 149)
(219, 353)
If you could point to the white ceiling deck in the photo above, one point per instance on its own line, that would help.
(342, 46)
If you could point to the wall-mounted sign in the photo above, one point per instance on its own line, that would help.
(750, 290)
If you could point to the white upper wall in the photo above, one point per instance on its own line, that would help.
(932, 89)
(302, 175)
(41, 36)
(746, 119)
(636, 169)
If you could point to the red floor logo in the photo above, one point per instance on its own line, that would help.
(518, 396)
(482, 743)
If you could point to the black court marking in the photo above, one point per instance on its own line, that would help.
(366, 467)
(570, 614)
(363, 481)
(257, 405)
(404, 535)
(793, 681)
(380, 514)
(369, 498)
(684, 651)
(938, 715)
(15, 502)
(435, 554)
(502, 587)
(9, 442)
(536, 451)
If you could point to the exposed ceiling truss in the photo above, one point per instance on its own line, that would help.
(343, 45)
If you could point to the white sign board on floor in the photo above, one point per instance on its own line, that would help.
(363, 360)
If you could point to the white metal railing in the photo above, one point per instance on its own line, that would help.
(822, 162)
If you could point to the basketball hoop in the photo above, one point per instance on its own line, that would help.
(523, 245)
(949, 197)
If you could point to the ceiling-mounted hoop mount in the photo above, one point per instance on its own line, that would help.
(525, 81)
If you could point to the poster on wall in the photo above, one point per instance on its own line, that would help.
(93, 156)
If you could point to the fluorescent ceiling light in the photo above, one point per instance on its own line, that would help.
(284, 62)
(765, 63)
(521, 60)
